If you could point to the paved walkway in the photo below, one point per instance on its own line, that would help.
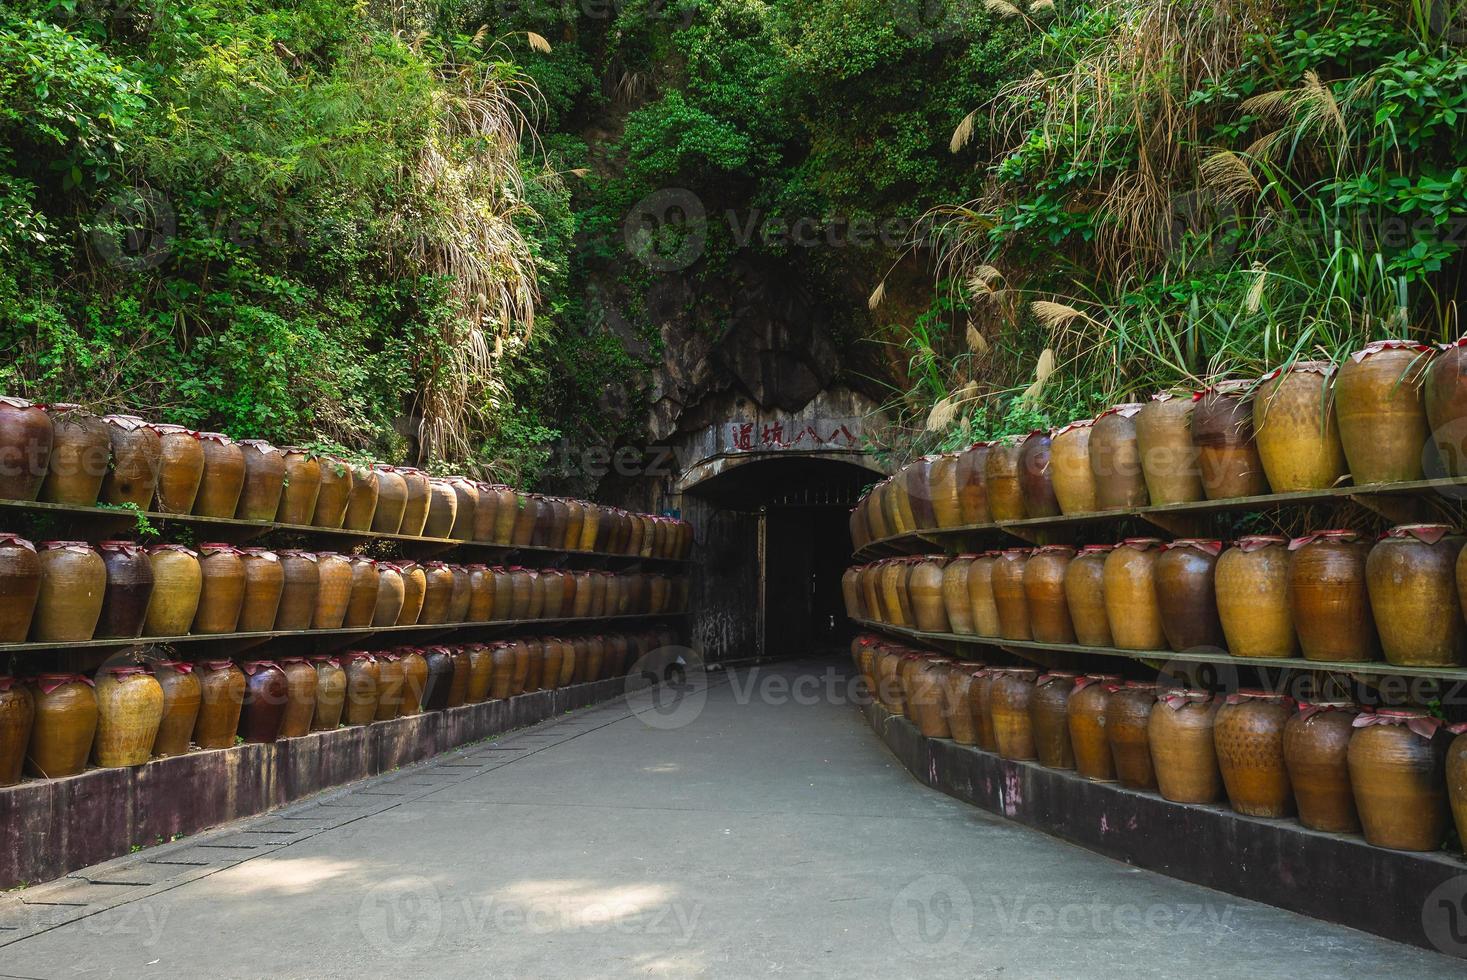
(758, 831)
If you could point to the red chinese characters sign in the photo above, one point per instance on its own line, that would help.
(776, 435)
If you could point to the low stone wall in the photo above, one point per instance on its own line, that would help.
(1328, 876)
(49, 828)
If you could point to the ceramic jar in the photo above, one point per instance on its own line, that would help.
(1001, 477)
(1397, 761)
(334, 578)
(1129, 590)
(955, 600)
(1085, 595)
(1185, 594)
(1249, 736)
(1180, 733)
(334, 493)
(1445, 395)
(20, 583)
(330, 693)
(1049, 718)
(915, 477)
(1329, 599)
(129, 711)
(924, 586)
(180, 468)
(1069, 466)
(1222, 431)
(264, 480)
(1316, 754)
(927, 698)
(129, 587)
(1252, 584)
(300, 697)
(182, 695)
(414, 681)
(26, 437)
(1009, 596)
(264, 582)
(481, 670)
(498, 504)
(552, 583)
(442, 509)
(414, 588)
(221, 696)
(1035, 479)
(1044, 593)
(895, 600)
(439, 592)
(527, 517)
(80, 450)
(1169, 459)
(363, 679)
(390, 678)
(73, 585)
(942, 480)
(461, 594)
(1410, 575)
(981, 599)
(302, 486)
(983, 679)
(973, 484)
(1085, 715)
(1381, 411)
(1294, 425)
(439, 680)
(1456, 767)
(136, 455)
(391, 500)
(468, 504)
(957, 693)
(265, 695)
(178, 581)
(390, 595)
(1008, 704)
(222, 481)
(17, 715)
(1115, 459)
(361, 503)
(63, 726)
(850, 594)
(222, 588)
(361, 606)
(302, 581)
(574, 516)
(1127, 729)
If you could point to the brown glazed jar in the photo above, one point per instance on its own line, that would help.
(302, 486)
(419, 496)
(73, 584)
(390, 679)
(334, 494)
(1249, 736)
(178, 581)
(414, 589)
(25, 448)
(468, 505)
(1316, 754)
(361, 605)
(552, 583)
(916, 478)
(330, 693)
(890, 521)
(1180, 734)
(894, 596)
(300, 697)
(888, 669)
(1294, 424)
(924, 586)
(20, 583)
(1329, 599)
(1456, 768)
(1049, 718)
(942, 482)
(414, 680)
(481, 670)
(333, 590)
(1446, 407)
(502, 504)
(264, 480)
(391, 500)
(1001, 476)
(129, 711)
(1381, 411)
(129, 587)
(911, 661)
(361, 503)
(264, 581)
(1222, 430)
(1410, 574)
(1069, 465)
(81, 447)
(63, 727)
(1035, 478)
(221, 696)
(390, 595)
(181, 697)
(1008, 594)
(1085, 714)
(302, 577)
(458, 600)
(265, 695)
(1186, 596)
(972, 477)
(1085, 595)
(521, 669)
(850, 593)
(439, 679)
(17, 714)
(926, 696)
(1252, 584)
(1127, 728)
(1115, 459)
(438, 592)
(221, 593)
(180, 468)
(442, 509)
(955, 598)
(1397, 762)
(1168, 455)
(222, 480)
(957, 693)
(501, 671)
(1044, 593)
(1130, 595)
(1013, 689)
(363, 677)
(981, 598)
(983, 679)
(136, 455)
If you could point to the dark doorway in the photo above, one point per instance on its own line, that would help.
(806, 550)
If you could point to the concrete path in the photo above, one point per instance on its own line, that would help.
(756, 830)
